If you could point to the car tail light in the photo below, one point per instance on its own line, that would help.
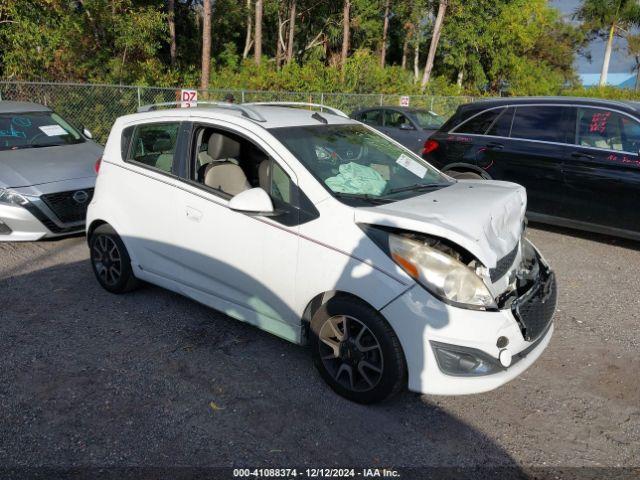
(429, 146)
(96, 166)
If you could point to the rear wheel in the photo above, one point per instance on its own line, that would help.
(356, 351)
(464, 175)
(110, 261)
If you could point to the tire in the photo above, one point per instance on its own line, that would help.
(368, 365)
(464, 175)
(110, 261)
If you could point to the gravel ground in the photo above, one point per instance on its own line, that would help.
(150, 378)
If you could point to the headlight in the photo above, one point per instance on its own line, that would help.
(441, 274)
(11, 197)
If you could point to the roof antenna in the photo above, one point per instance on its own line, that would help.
(320, 118)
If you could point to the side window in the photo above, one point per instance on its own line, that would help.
(230, 164)
(154, 145)
(606, 129)
(372, 117)
(545, 123)
(479, 124)
(395, 119)
(502, 125)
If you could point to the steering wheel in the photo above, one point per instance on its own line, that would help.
(346, 155)
(32, 139)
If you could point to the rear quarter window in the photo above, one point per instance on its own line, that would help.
(125, 141)
(479, 124)
(502, 125)
(154, 145)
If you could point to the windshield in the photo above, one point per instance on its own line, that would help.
(428, 119)
(35, 130)
(354, 162)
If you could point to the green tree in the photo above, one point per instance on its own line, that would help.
(522, 44)
(608, 18)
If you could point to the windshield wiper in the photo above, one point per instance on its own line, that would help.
(416, 187)
(21, 147)
(362, 196)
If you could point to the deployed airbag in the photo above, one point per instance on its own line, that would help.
(357, 179)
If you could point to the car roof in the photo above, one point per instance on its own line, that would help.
(274, 116)
(392, 107)
(18, 107)
(601, 102)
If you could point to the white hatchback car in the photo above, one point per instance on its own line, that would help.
(324, 232)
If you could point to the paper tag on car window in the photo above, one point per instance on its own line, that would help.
(53, 130)
(411, 165)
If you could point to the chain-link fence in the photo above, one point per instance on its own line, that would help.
(97, 106)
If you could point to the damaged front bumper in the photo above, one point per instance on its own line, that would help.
(453, 351)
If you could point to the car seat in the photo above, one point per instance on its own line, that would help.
(163, 146)
(222, 173)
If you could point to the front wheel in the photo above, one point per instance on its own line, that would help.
(356, 351)
(110, 261)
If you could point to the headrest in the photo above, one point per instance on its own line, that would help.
(221, 147)
(162, 144)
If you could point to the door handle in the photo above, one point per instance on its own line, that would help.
(494, 146)
(193, 214)
(582, 155)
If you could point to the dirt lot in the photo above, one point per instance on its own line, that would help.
(150, 378)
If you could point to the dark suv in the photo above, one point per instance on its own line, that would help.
(578, 158)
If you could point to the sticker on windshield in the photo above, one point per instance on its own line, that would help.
(411, 165)
(53, 130)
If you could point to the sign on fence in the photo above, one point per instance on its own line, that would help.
(404, 101)
(189, 98)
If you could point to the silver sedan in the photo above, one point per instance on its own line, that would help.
(47, 173)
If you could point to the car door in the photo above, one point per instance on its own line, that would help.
(149, 217)
(530, 154)
(602, 169)
(239, 263)
(398, 126)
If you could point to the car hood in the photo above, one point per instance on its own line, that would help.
(484, 217)
(35, 166)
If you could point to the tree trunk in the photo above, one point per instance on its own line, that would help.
(171, 18)
(435, 38)
(206, 44)
(257, 50)
(405, 47)
(416, 60)
(247, 39)
(292, 30)
(460, 77)
(607, 56)
(279, 40)
(385, 33)
(405, 52)
(345, 32)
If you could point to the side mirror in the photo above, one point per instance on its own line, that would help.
(406, 126)
(86, 132)
(254, 200)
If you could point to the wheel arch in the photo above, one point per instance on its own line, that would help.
(466, 167)
(320, 299)
(92, 227)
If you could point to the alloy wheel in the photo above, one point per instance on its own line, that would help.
(351, 353)
(107, 260)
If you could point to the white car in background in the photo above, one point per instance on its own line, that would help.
(320, 230)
